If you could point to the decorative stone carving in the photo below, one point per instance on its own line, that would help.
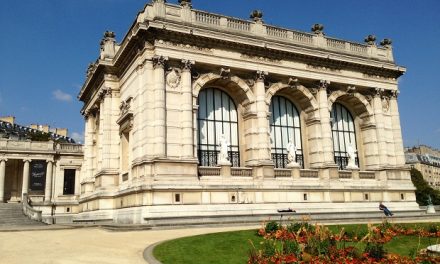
(395, 93)
(385, 104)
(386, 42)
(323, 68)
(125, 106)
(293, 82)
(225, 73)
(90, 69)
(351, 89)
(318, 29)
(259, 58)
(159, 61)
(370, 40)
(379, 92)
(260, 76)
(181, 46)
(185, 3)
(257, 16)
(108, 45)
(173, 78)
(187, 64)
(324, 84)
(375, 76)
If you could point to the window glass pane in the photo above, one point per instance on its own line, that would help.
(343, 132)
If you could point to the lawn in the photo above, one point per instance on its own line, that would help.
(233, 247)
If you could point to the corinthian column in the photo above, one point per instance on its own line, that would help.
(2, 179)
(48, 187)
(187, 111)
(159, 106)
(25, 185)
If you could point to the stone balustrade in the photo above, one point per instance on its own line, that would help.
(45, 146)
(309, 174)
(345, 175)
(257, 29)
(241, 172)
(282, 173)
(209, 171)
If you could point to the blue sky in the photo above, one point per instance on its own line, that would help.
(46, 46)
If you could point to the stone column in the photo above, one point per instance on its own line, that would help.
(326, 132)
(380, 133)
(148, 114)
(2, 179)
(88, 152)
(25, 186)
(48, 187)
(397, 131)
(187, 111)
(159, 106)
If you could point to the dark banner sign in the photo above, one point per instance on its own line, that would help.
(38, 175)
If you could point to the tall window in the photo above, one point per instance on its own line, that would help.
(285, 127)
(344, 134)
(217, 115)
(69, 182)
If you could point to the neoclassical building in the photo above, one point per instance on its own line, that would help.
(184, 84)
(41, 167)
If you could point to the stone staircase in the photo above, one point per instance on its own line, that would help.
(11, 214)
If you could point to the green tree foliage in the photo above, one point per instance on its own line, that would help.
(423, 189)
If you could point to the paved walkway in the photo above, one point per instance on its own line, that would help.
(63, 245)
(88, 245)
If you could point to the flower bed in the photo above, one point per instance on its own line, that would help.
(302, 242)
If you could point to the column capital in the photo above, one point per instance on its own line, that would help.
(159, 61)
(395, 94)
(378, 92)
(260, 76)
(27, 160)
(3, 159)
(323, 84)
(187, 64)
(50, 161)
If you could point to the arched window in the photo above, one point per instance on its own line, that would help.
(285, 127)
(344, 134)
(217, 115)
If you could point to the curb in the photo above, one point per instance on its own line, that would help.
(148, 253)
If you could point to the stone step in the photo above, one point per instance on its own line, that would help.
(12, 215)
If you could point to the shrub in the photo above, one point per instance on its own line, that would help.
(375, 250)
(272, 226)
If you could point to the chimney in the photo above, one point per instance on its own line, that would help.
(61, 131)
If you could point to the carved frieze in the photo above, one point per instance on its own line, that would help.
(378, 77)
(321, 68)
(182, 46)
(259, 58)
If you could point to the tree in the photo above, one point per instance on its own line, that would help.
(423, 189)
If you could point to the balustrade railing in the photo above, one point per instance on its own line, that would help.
(207, 18)
(209, 171)
(282, 173)
(309, 173)
(302, 37)
(367, 175)
(241, 172)
(237, 24)
(335, 44)
(30, 212)
(345, 174)
(276, 32)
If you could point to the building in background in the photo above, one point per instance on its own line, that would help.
(38, 163)
(427, 161)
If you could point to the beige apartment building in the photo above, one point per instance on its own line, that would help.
(426, 160)
(199, 115)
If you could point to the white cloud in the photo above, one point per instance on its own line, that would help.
(78, 137)
(62, 96)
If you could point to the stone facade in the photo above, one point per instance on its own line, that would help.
(427, 161)
(152, 131)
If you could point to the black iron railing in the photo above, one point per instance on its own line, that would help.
(209, 158)
(280, 160)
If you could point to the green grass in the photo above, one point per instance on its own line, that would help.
(217, 248)
(233, 247)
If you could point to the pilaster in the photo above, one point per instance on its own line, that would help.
(187, 110)
(159, 106)
(148, 111)
(397, 131)
(380, 131)
(326, 133)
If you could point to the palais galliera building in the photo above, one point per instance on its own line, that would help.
(197, 116)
